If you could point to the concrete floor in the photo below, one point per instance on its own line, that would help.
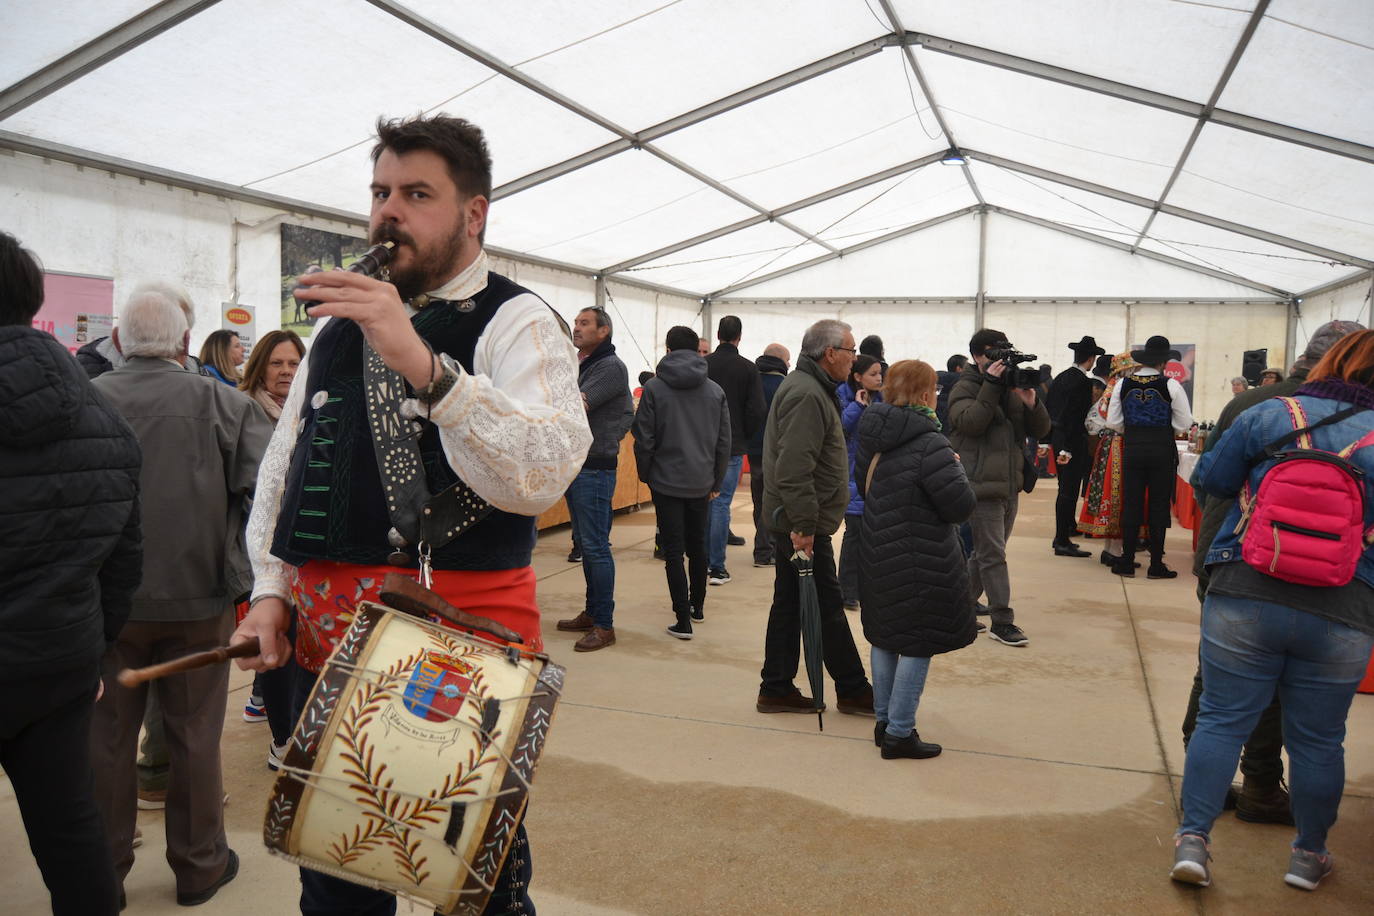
(662, 791)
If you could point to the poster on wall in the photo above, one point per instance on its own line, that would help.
(302, 249)
(241, 319)
(76, 309)
(1183, 369)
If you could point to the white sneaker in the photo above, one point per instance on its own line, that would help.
(717, 577)
(276, 753)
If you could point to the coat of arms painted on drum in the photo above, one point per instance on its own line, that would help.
(438, 686)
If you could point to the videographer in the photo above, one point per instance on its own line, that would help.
(992, 409)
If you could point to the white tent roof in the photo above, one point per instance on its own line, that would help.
(1221, 148)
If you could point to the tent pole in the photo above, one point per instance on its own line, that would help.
(980, 302)
(1290, 344)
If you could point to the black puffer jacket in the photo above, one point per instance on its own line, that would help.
(71, 551)
(913, 583)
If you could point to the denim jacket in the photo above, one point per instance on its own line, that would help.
(1223, 470)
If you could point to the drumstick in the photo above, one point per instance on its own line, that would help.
(132, 677)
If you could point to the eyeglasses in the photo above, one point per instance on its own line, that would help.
(850, 350)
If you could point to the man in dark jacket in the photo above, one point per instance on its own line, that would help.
(740, 381)
(772, 366)
(70, 560)
(1262, 797)
(989, 421)
(605, 386)
(682, 449)
(202, 442)
(954, 367)
(805, 491)
(1070, 397)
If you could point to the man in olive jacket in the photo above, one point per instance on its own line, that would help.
(989, 423)
(806, 489)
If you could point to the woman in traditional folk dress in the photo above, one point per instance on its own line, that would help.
(1101, 513)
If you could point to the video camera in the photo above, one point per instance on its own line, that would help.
(1003, 352)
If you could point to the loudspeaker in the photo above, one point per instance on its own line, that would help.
(1252, 363)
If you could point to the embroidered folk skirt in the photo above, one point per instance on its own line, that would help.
(1101, 513)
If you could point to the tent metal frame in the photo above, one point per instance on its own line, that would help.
(167, 14)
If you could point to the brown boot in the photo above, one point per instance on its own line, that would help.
(1263, 803)
(598, 638)
(582, 621)
(858, 705)
(794, 702)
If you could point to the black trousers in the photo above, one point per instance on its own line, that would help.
(849, 558)
(1070, 477)
(1146, 476)
(682, 528)
(45, 741)
(763, 538)
(325, 895)
(782, 644)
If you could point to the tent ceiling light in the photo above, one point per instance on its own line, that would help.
(952, 156)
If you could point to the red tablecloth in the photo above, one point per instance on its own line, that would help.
(1186, 509)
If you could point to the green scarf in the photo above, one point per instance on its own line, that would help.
(925, 411)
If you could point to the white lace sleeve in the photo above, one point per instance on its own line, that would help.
(270, 575)
(515, 430)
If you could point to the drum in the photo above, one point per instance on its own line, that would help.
(410, 766)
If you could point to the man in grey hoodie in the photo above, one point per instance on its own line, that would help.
(682, 447)
(605, 386)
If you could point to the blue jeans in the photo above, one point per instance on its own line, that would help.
(898, 681)
(1249, 648)
(720, 514)
(589, 504)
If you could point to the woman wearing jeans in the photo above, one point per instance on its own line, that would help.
(913, 580)
(1261, 633)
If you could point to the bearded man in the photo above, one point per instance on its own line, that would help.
(491, 375)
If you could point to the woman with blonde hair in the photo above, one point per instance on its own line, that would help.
(913, 580)
(1100, 516)
(221, 355)
(273, 365)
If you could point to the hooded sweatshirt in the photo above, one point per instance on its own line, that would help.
(70, 543)
(682, 429)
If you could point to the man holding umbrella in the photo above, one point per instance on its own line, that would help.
(806, 489)
(1070, 397)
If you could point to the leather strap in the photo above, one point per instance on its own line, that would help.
(415, 515)
(868, 478)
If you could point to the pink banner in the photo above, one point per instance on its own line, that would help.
(76, 310)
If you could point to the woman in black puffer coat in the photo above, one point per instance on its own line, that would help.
(913, 582)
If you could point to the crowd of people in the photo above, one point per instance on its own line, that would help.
(257, 479)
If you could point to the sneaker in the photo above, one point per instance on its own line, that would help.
(698, 615)
(597, 638)
(582, 621)
(138, 837)
(682, 629)
(851, 605)
(254, 711)
(1160, 571)
(793, 702)
(1190, 860)
(658, 552)
(1306, 869)
(1008, 634)
(152, 799)
(760, 564)
(982, 627)
(717, 577)
(911, 747)
(734, 540)
(231, 871)
(276, 753)
(575, 555)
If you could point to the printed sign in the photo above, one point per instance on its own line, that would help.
(76, 310)
(1183, 369)
(242, 319)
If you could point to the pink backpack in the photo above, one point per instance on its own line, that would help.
(1306, 523)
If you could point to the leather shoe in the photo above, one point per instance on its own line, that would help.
(598, 638)
(231, 871)
(582, 621)
(858, 705)
(794, 702)
(1070, 550)
(911, 747)
(1111, 559)
(1160, 571)
(734, 540)
(1124, 570)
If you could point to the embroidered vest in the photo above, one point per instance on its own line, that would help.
(1147, 409)
(332, 505)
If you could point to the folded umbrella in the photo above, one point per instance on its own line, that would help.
(812, 649)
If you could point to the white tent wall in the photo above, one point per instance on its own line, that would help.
(87, 221)
(1348, 303)
(642, 318)
(1047, 328)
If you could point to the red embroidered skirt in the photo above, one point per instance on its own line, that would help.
(326, 594)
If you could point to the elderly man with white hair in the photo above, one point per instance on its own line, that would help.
(202, 443)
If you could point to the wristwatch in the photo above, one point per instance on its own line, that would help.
(442, 385)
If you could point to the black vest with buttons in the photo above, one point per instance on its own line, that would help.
(332, 506)
(1147, 410)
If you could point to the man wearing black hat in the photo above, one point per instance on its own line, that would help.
(1068, 402)
(1148, 409)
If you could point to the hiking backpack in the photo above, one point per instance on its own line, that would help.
(1306, 522)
